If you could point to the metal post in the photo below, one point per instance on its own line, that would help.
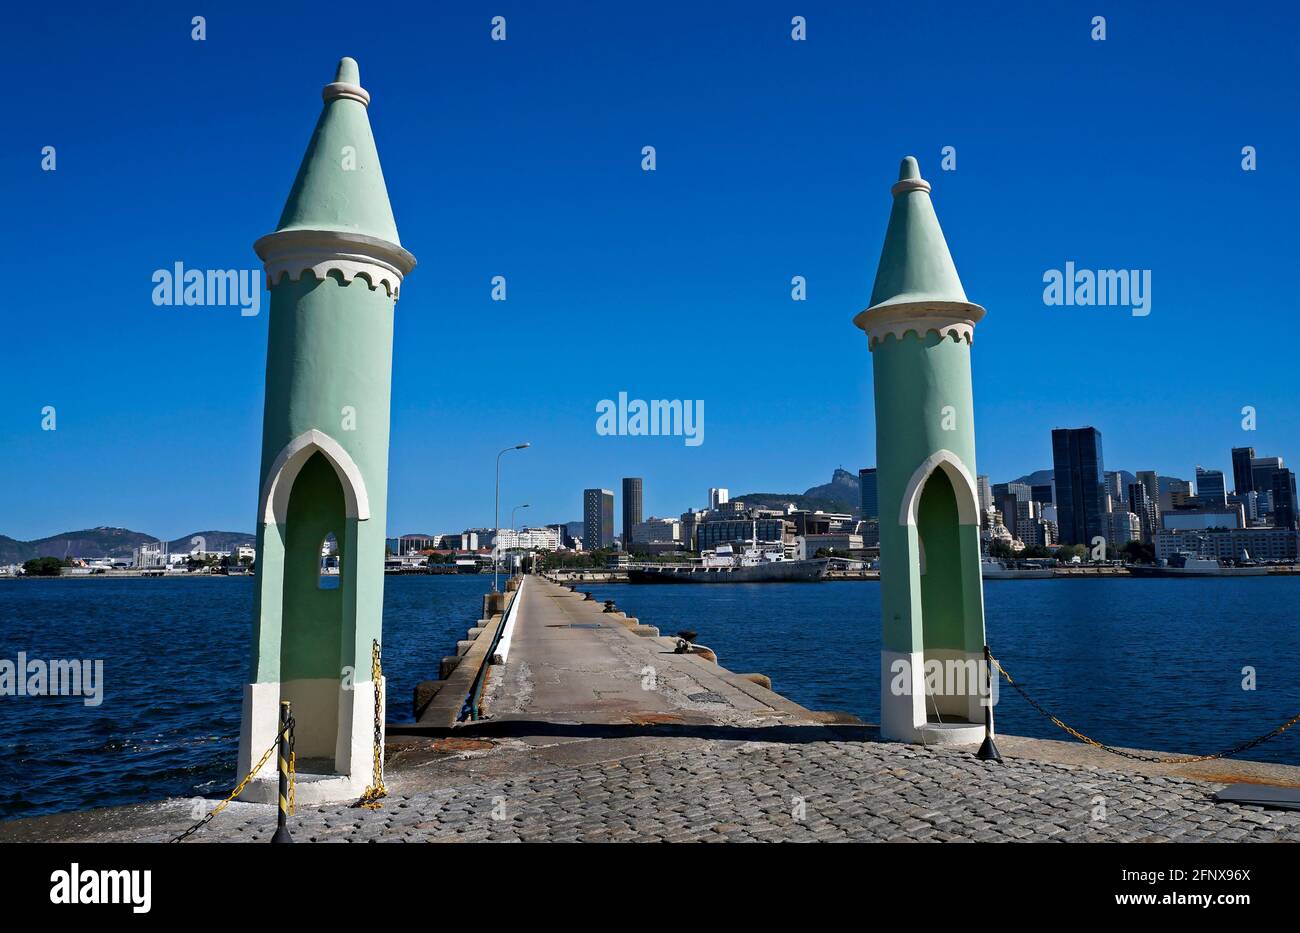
(282, 820)
(989, 750)
(496, 526)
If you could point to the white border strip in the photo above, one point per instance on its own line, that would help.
(508, 626)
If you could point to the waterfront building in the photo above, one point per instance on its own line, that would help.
(919, 329)
(1284, 499)
(632, 487)
(1264, 544)
(807, 546)
(334, 268)
(1243, 480)
(150, 556)
(867, 493)
(529, 539)
(1202, 517)
(597, 519)
(712, 532)
(1211, 491)
(1080, 484)
(717, 496)
(657, 530)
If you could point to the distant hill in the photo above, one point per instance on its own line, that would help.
(108, 542)
(841, 494)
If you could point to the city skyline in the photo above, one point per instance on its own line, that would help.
(159, 408)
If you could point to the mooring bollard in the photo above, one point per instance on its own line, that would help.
(282, 819)
(989, 750)
(609, 605)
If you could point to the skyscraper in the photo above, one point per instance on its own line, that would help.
(1080, 484)
(1261, 476)
(717, 496)
(1210, 487)
(1284, 500)
(631, 507)
(867, 489)
(597, 518)
(1144, 507)
(1242, 479)
(984, 492)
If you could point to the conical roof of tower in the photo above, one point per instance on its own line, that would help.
(340, 186)
(915, 265)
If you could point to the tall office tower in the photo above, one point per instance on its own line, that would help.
(1080, 484)
(1007, 498)
(1042, 494)
(717, 496)
(1242, 480)
(597, 518)
(985, 493)
(1144, 507)
(1210, 487)
(1115, 488)
(631, 507)
(1151, 483)
(1284, 500)
(867, 488)
(1261, 477)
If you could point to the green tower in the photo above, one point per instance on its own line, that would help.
(334, 267)
(919, 329)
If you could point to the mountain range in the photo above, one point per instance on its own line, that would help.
(109, 542)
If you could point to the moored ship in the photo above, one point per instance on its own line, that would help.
(1188, 565)
(755, 564)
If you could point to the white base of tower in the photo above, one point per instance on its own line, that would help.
(354, 746)
(906, 712)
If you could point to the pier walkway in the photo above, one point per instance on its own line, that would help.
(597, 731)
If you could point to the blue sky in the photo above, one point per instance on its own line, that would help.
(522, 158)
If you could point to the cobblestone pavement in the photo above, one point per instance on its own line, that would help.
(687, 790)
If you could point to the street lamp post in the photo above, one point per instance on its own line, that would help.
(496, 520)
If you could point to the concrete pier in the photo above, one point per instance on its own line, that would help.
(597, 731)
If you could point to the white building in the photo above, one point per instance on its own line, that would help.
(717, 496)
(529, 539)
(150, 556)
(656, 530)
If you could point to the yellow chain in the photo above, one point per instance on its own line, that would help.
(293, 783)
(239, 789)
(370, 798)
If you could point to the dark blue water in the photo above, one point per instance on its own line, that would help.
(1147, 663)
(175, 658)
(1140, 663)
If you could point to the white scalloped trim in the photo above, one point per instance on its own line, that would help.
(956, 319)
(901, 329)
(290, 253)
(374, 273)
